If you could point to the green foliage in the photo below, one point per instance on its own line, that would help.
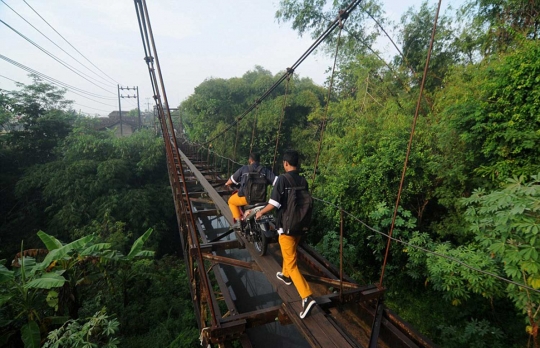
(329, 247)
(66, 268)
(100, 330)
(217, 102)
(103, 178)
(415, 39)
(456, 281)
(498, 25)
(30, 335)
(475, 334)
(161, 314)
(494, 108)
(314, 16)
(507, 223)
(34, 121)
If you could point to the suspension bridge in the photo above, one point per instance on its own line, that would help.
(347, 314)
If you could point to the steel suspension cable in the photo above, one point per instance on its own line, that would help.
(253, 129)
(158, 85)
(426, 251)
(343, 14)
(409, 145)
(323, 123)
(236, 141)
(281, 122)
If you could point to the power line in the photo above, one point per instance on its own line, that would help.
(54, 43)
(57, 59)
(70, 91)
(69, 43)
(9, 79)
(91, 107)
(65, 85)
(57, 82)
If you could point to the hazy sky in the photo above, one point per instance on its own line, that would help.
(195, 40)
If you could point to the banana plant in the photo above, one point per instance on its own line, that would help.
(23, 291)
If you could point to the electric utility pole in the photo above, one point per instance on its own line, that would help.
(136, 88)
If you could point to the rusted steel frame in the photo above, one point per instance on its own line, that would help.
(256, 318)
(215, 246)
(173, 175)
(409, 331)
(207, 172)
(205, 194)
(197, 194)
(199, 200)
(221, 205)
(227, 332)
(314, 264)
(252, 265)
(333, 282)
(376, 326)
(306, 249)
(202, 226)
(191, 224)
(283, 317)
(221, 236)
(356, 295)
(341, 253)
(206, 212)
(391, 332)
(218, 182)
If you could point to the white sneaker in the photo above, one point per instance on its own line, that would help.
(307, 304)
(284, 279)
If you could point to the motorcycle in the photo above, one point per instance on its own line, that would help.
(259, 232)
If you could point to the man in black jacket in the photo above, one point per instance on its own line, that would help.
(239, 178)
(288, 242)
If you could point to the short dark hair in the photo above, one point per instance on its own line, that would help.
(254, 156)
(291, 156)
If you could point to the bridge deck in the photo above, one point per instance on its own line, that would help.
(331, 323)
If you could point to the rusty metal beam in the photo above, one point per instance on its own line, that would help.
(207, 212)
(365, 293)
(232, 262)
(256, 318)
(224, 245)
(218, 201)
(332, 282)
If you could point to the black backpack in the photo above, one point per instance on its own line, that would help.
(297, 217)
(255, 186)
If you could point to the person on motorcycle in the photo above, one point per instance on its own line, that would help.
(239, 177)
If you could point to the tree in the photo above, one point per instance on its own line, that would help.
(100, 177)
(314, 16)
(506, 21)
(494, 108)
(35, 119)
(415, 38)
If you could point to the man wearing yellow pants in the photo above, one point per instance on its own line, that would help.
(239, 178)
(288, 242)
